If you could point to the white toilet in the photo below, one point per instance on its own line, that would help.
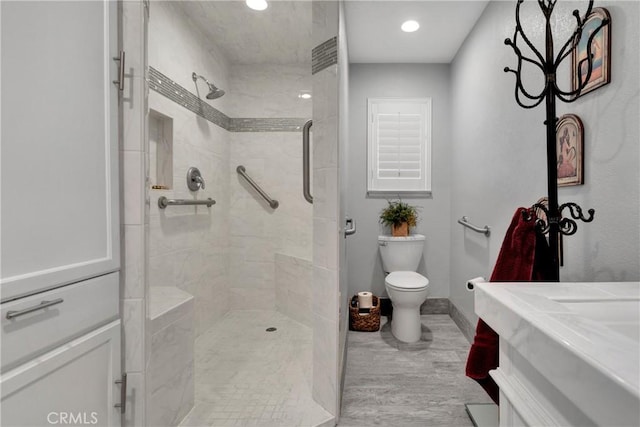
(406, 288)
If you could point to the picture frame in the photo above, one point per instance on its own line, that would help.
(570, 151)
(600, 49)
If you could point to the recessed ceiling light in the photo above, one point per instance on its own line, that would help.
(304, 95)
(257, 4)
(410, 26)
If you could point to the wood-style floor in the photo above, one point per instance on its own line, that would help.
(390, 383)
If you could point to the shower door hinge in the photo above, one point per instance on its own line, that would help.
(120, 81)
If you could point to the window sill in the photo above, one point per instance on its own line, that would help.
(377, 194)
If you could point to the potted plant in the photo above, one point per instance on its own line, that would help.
(400, 217)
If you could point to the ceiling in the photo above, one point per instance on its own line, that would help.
(374, 35)
(282, 33)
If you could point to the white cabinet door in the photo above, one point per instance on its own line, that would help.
(69, 312)
(59, 187)
(71, 385)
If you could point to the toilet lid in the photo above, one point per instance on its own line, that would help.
(406, 280)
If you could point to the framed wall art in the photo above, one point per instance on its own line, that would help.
(570, 150)
(600, 51)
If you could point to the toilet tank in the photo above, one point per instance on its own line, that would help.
(401, 253)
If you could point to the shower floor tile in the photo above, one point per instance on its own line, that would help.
(246, 376)
(390, 383)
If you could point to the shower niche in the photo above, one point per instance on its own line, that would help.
(160, 151)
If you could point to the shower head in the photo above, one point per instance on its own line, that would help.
(214, 92)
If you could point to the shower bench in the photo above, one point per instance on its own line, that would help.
(170, 393)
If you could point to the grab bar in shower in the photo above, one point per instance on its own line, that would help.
(243, 172)
(163, 202)
(306, 158)
(465, 222)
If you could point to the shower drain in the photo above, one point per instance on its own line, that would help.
(271, 329)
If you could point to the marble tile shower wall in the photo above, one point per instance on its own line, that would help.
(135, 217)
(326, 235)
(294, 283)
(268, 91)
(274, 161)
(326, 228)
(188, 246)
(177, 48)
(158, 82)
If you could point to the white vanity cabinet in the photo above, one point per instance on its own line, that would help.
(62, 362)
(74, 384)
(60, 208)
(569, 352)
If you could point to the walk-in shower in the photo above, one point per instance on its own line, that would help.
(220, 277)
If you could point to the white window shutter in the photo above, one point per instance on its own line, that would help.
(399, 145)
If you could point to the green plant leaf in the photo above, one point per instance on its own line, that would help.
(398, 212)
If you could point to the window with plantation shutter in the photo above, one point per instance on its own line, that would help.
(399, 145)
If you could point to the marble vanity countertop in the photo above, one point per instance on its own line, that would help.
(583, 338)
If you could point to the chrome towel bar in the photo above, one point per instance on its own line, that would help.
(243, 172)
(163, 202)
(465, 222)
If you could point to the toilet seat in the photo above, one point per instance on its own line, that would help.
(406, 281)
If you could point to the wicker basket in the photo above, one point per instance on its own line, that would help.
(369, 322)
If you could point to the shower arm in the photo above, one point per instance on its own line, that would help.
(214, 91)
(195, 77)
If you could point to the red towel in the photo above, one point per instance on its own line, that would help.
(524, 257)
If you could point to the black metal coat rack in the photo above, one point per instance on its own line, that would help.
(555, 225)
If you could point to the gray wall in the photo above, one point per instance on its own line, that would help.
(398, 80)
(498, 154)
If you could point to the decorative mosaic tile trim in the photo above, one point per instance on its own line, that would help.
(178, 94)
(324, 55)
(266, 125)
(172, 90)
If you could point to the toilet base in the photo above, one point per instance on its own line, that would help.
(406, 325)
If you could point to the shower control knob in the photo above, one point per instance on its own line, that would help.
(195, 181)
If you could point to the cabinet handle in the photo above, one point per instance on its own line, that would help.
(120, 81)
(123, 394)
(12, 314)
